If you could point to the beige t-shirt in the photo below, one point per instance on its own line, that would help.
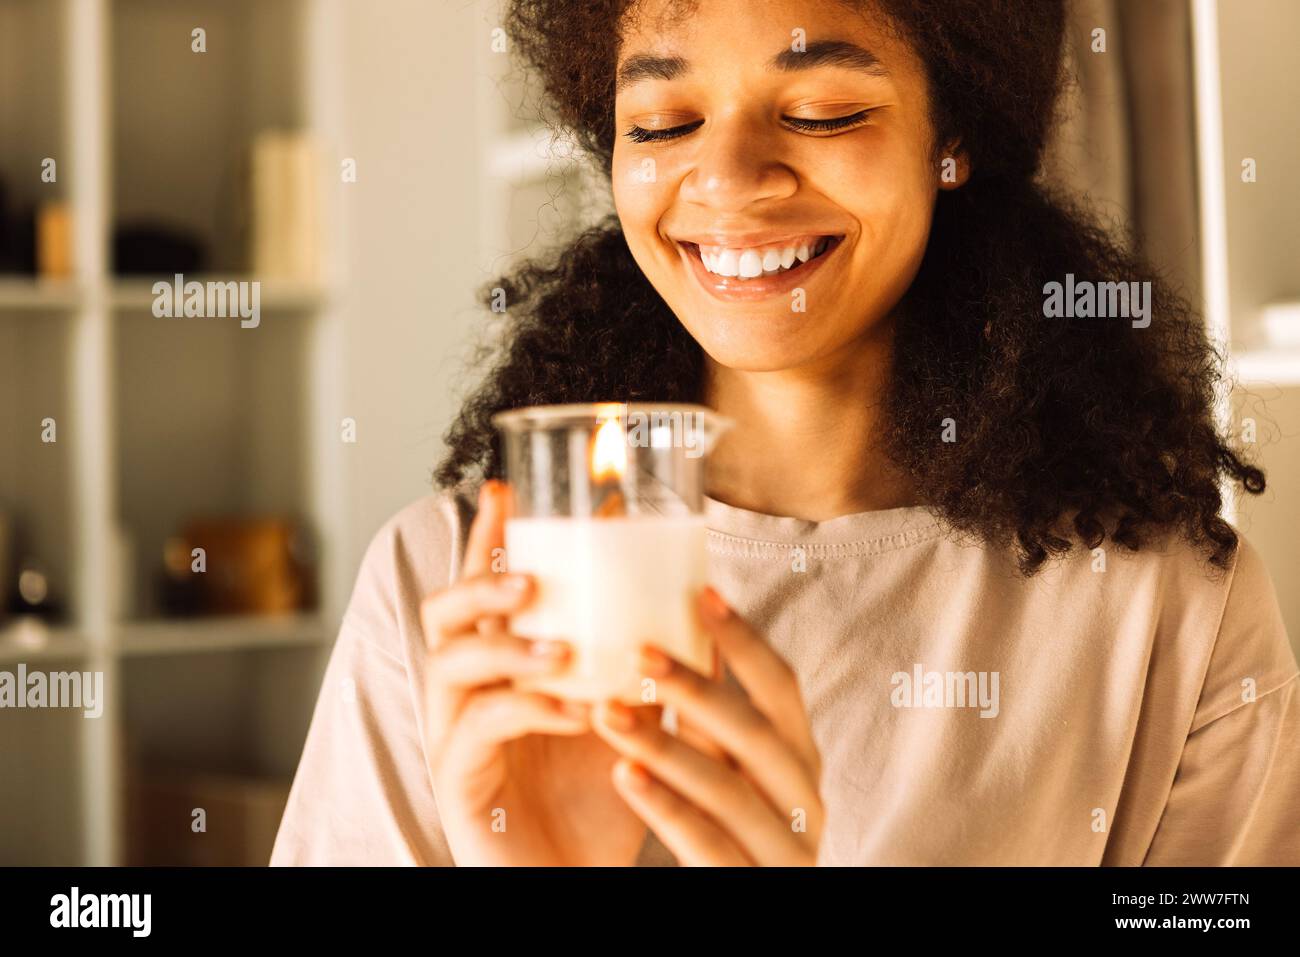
(1140, 711)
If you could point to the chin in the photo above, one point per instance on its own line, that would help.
(749, 347)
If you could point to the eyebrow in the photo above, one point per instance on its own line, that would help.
(829, 53)
(647, 66)
(819, 53)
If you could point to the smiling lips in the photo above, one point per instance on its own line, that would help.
(749, 273)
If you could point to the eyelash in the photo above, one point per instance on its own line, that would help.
(837, 124)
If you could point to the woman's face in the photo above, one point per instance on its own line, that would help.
(774, 173)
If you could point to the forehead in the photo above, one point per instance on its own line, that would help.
(705, 33)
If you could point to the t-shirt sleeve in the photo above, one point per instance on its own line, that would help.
(1235, 799)
(362, 793)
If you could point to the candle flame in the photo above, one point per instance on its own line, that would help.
(609, 451)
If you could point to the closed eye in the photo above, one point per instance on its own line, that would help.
(833, 125)
(639, 134)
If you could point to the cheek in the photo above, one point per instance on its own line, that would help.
(890, 190)
(641, 196)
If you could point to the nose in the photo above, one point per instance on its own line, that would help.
(738, 163)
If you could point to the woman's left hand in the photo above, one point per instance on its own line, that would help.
(739, 784)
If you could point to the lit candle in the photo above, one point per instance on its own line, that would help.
(608, 458)
(611, 581)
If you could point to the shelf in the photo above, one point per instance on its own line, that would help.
(178, 636)
(1276, 367)
(30, 294)
(28, 640)
(281, 295)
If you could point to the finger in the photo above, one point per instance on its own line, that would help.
(487, 531)
(457, 610)
(764, 674)
(694, 839)
(477, 661)
(491, 718)
(728, 717)
(711, 786)
(692, 735)
(697, 739)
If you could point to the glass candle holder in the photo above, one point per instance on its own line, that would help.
(608, 516)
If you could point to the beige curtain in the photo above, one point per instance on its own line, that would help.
(1127, 138)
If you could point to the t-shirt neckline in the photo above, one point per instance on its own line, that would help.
(878, 526)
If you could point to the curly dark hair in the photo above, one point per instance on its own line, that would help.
(1071, 430)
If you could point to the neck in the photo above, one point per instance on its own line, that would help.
(804, 443)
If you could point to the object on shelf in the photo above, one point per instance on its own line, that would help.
(153, 248)
(34, 593)
(284, 209)
(54, 240)
(1281, 324)
(237, 566)
(17, 236)
(202, 819)
(5, 227)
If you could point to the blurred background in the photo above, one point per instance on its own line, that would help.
(372, 165)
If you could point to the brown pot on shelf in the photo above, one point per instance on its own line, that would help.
(253, 566)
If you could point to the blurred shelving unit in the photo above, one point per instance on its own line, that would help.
(29, 295)
(28, 641)
(179, 637)
(1243, 59)
(157, 419)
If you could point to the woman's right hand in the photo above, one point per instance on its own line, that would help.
(519, 777)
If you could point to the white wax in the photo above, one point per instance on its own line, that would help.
(608, 586)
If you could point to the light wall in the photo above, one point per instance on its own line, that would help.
(412, 234)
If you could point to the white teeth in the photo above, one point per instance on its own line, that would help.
(752, 262)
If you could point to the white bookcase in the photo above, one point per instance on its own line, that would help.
(158, 419)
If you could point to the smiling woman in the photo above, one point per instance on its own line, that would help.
(831, 227)
(938, 241)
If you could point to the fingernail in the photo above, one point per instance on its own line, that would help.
(654, 662)
(515, 583)
(546, 648)
(618, 716)
(634, 775)
(714, 605)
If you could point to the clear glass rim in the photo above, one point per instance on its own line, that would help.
(589, 413)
